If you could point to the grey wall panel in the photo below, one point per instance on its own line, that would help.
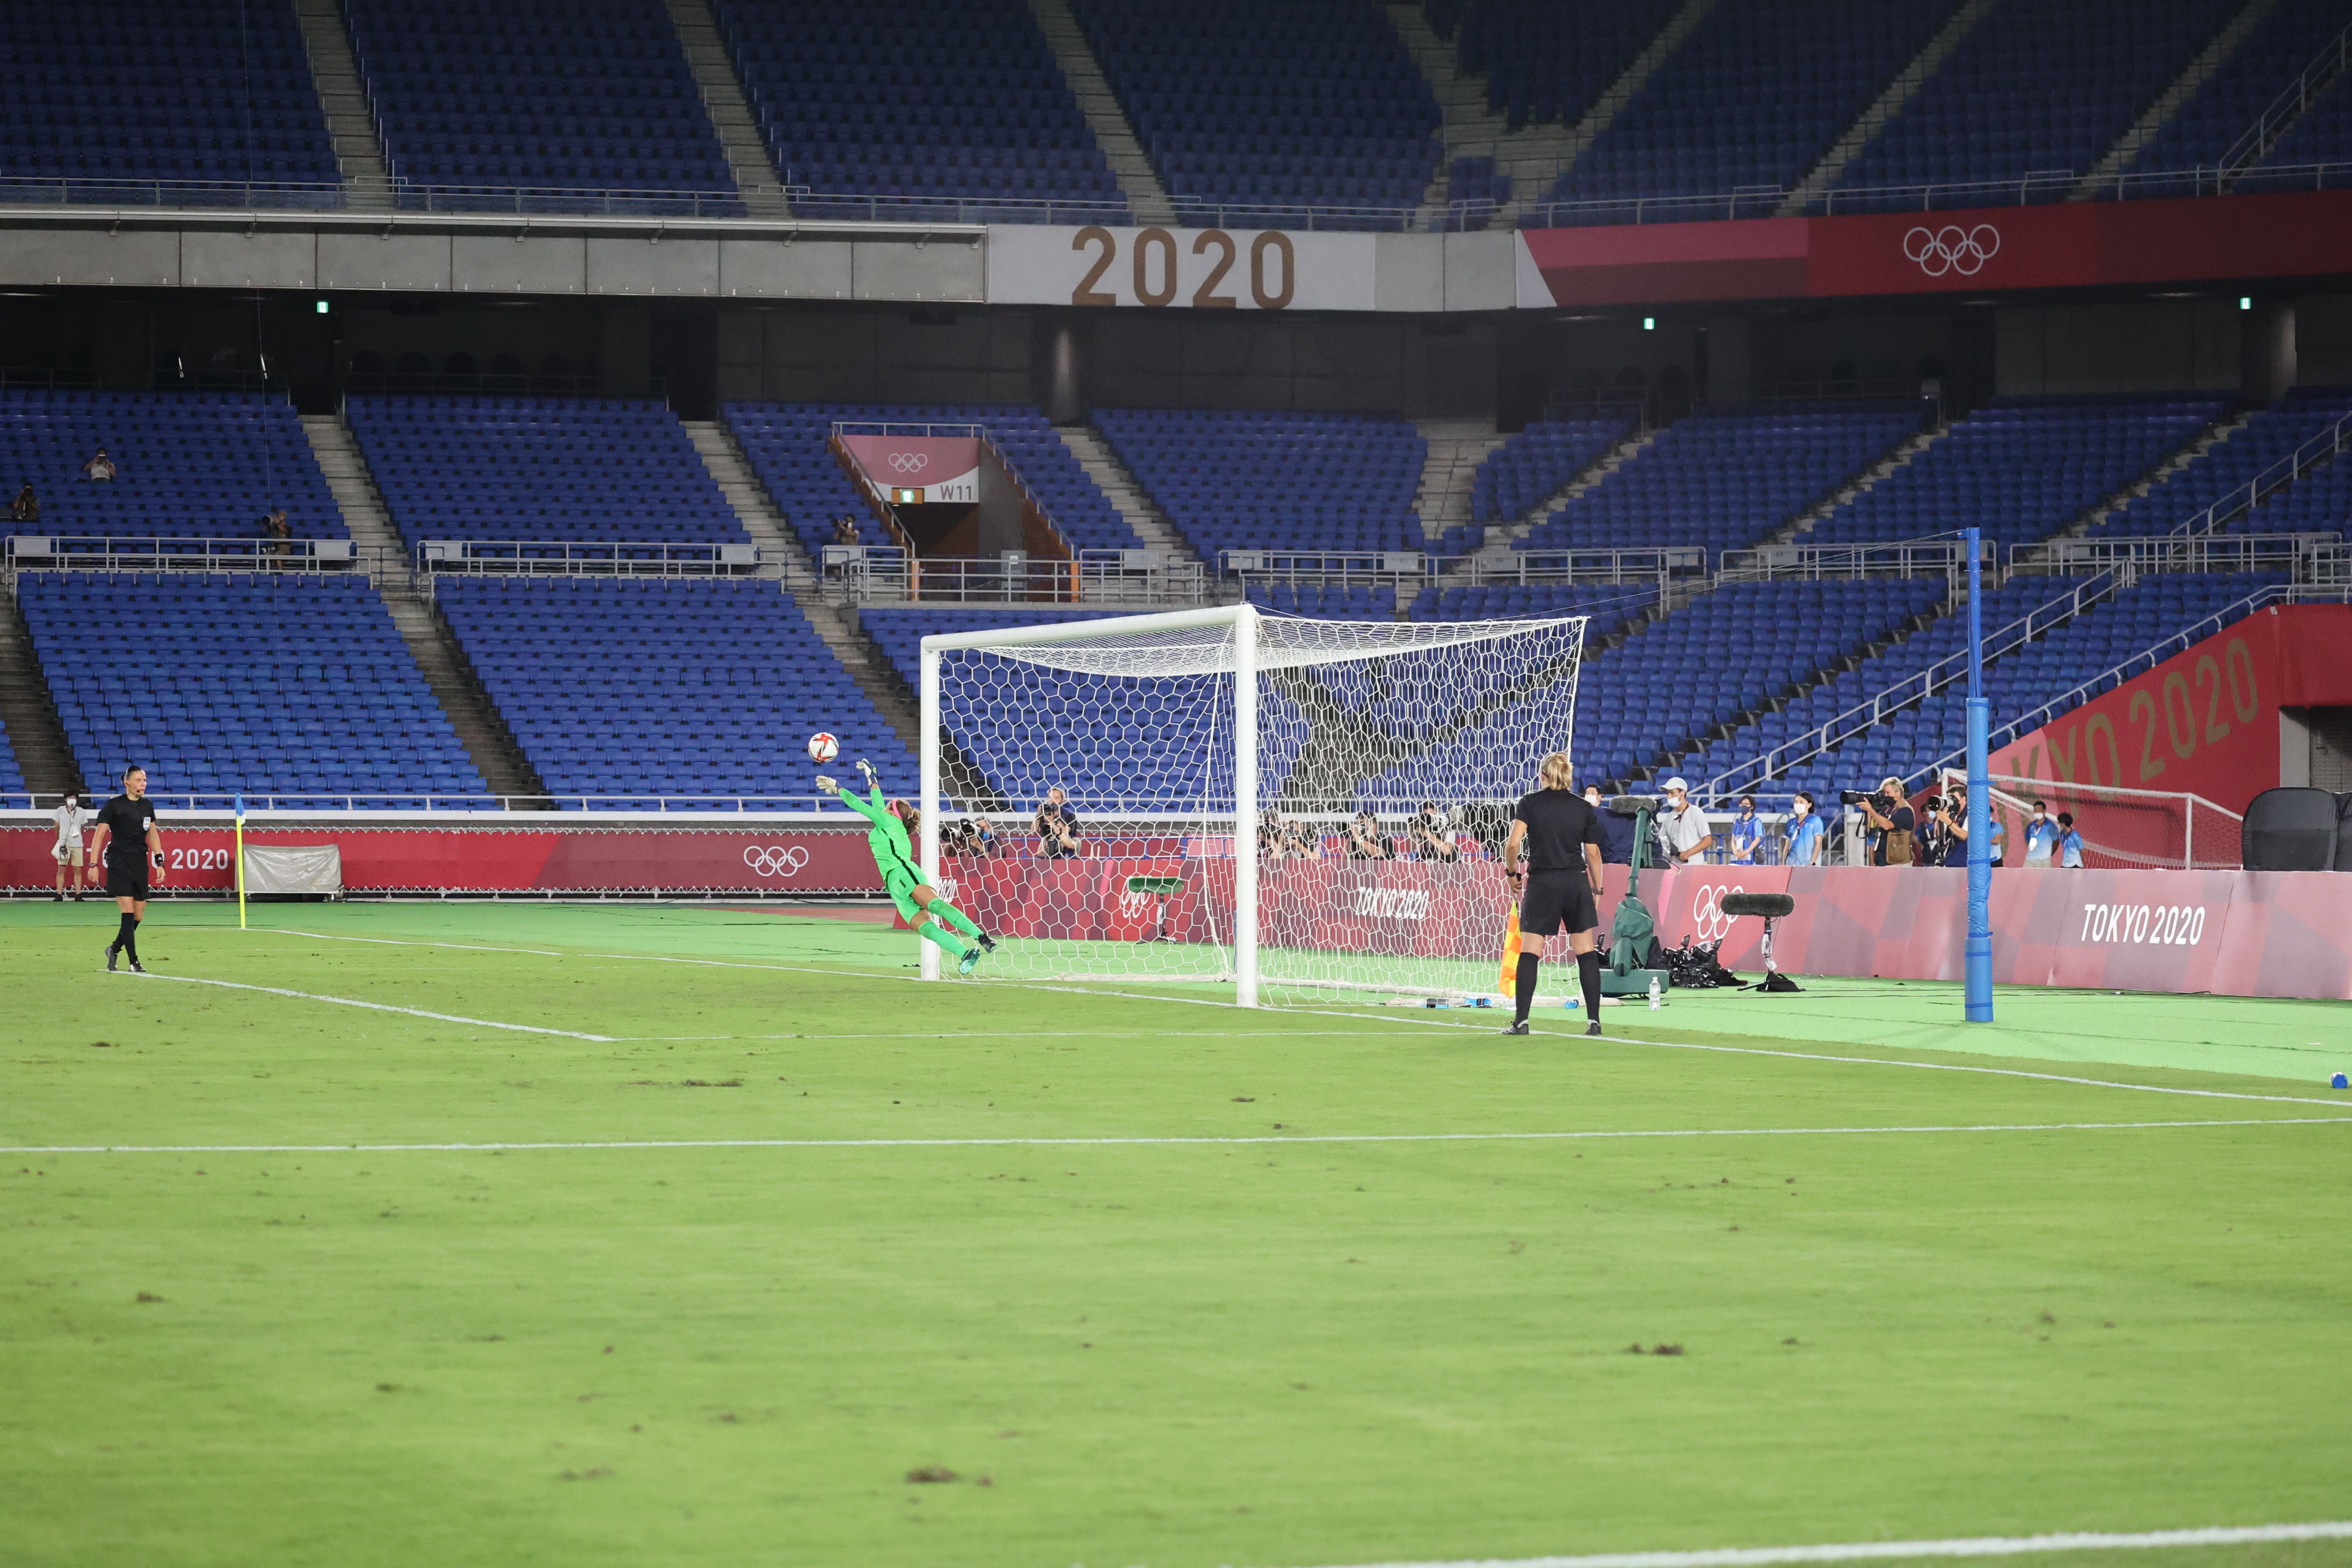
(673, 268)
(212, 259)
(949, 271)
(144, 259)
(1409, 272)
(500, 264)
(384, 262)
(1481, 271)
(775, 269)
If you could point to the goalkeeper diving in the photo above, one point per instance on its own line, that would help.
(894, 856)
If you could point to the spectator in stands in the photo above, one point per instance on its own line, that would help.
(1888, 810)
(1808, 833)
(27, 507)
(2041, 837)
(845, 530)
(1366, 841)
(278, 532)
(1746, 833)
(1431, 835)
(1058, 827)
(72, 819)
(2070, 843)
(1616, 832)
(99, 466)
(1683, 826)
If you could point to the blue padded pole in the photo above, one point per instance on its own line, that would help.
(1977, 974)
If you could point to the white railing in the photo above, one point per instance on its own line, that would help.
(2288, 106)
(1647, 565)
(1946, 672)
(2240, 501)
(1336, 568)
(1936, 555)
(545, 558)
(107, 552)
(884, 574)
(2133, 555)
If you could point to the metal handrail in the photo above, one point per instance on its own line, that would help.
(2139, 553)
(1321, 566)
(2257, 138)
(115, 553)
(2284, 472)
(534, 557)
(1939, 554)
(1650, 564)
(1946, 672)
(882, 575)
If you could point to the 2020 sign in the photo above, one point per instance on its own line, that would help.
(1152, 259)
(1157, 267)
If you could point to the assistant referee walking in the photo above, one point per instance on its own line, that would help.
(131, 848)
(1561, 836)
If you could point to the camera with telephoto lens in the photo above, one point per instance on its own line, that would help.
(1862, 797)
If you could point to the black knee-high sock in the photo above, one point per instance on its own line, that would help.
(1526, 983)
(126, 934)
(1587, 970)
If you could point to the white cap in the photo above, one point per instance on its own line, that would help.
(1678, 782)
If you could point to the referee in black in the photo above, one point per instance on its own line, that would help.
(131, 848)
(1560, 837)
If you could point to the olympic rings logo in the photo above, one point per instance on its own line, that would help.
(910, 462)
(1952, 248)
(1708, 921)
(776, 859)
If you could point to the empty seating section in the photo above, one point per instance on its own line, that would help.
(1724, 654)
(1308, 103)
(1749, 103)
(266, 685)
(1237, 480)
(541, 471)
(2227, 103)
(1331, 602)
(2264, 441)
(2036, 89)
(177, 91)
(918, 97)
(1609, 605)
(1725, 479)
(1529, 468)
(12, 778)
(633, 687)
(1548, 59)
(786, 444)
(555, 95)
(1111, 744)
(2321, 134)
(2318, 502)
(188, 465)
(2022, 468)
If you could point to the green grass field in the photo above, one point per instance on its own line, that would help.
(767, 1229)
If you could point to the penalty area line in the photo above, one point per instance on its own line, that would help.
(1145, 1141)
(1885, 1550)
(382, 1007)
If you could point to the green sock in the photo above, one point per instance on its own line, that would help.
(930, 933)
(955, 917)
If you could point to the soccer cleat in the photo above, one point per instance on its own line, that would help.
(987, 943)
(112, 948)
(56, 898)
(1519, 1028)
(1593, 1028)
(969, 962)
(137, 967)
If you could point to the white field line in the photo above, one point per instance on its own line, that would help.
(1400, 1016)
(1882, 1551)
(380, 1007)
(1595, 1136)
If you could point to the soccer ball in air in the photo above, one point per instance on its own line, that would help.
(822, 747)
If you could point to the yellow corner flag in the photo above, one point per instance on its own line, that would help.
(240, 874)
(1510, 954)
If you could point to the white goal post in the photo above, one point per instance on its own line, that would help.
(1262, 804)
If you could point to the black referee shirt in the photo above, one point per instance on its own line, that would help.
(1559, 824)
(126, 821)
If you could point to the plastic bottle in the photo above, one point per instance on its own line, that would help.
(1656, 1001)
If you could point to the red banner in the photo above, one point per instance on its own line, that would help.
(942, 467)
(2064, 245)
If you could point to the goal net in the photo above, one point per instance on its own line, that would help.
(1274, 806)
(2123, 829)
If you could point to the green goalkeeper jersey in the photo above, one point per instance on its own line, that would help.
(887, 839)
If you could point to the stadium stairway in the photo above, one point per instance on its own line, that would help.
(2160, 114)
(1102, 464)
(1889, 103)
(1528, 192)
(730, 110)
(455, 684)
(1472, 129)
(2196, 452)
(2232, 102)
(1899, 458)
(839, 629)
(42, 757)
(1147, 198)
(1499, 536)
(335, 70)
(1449, 473)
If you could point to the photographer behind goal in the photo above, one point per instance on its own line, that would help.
(1888, 811)
(1561, 836)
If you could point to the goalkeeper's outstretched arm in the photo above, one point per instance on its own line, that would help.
(873, 811)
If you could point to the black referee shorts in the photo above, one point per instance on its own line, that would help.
(126, 881)
(1555, 900)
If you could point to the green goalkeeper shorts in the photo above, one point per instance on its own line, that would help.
(902, 881)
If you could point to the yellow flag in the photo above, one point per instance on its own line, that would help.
(1510, 954)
